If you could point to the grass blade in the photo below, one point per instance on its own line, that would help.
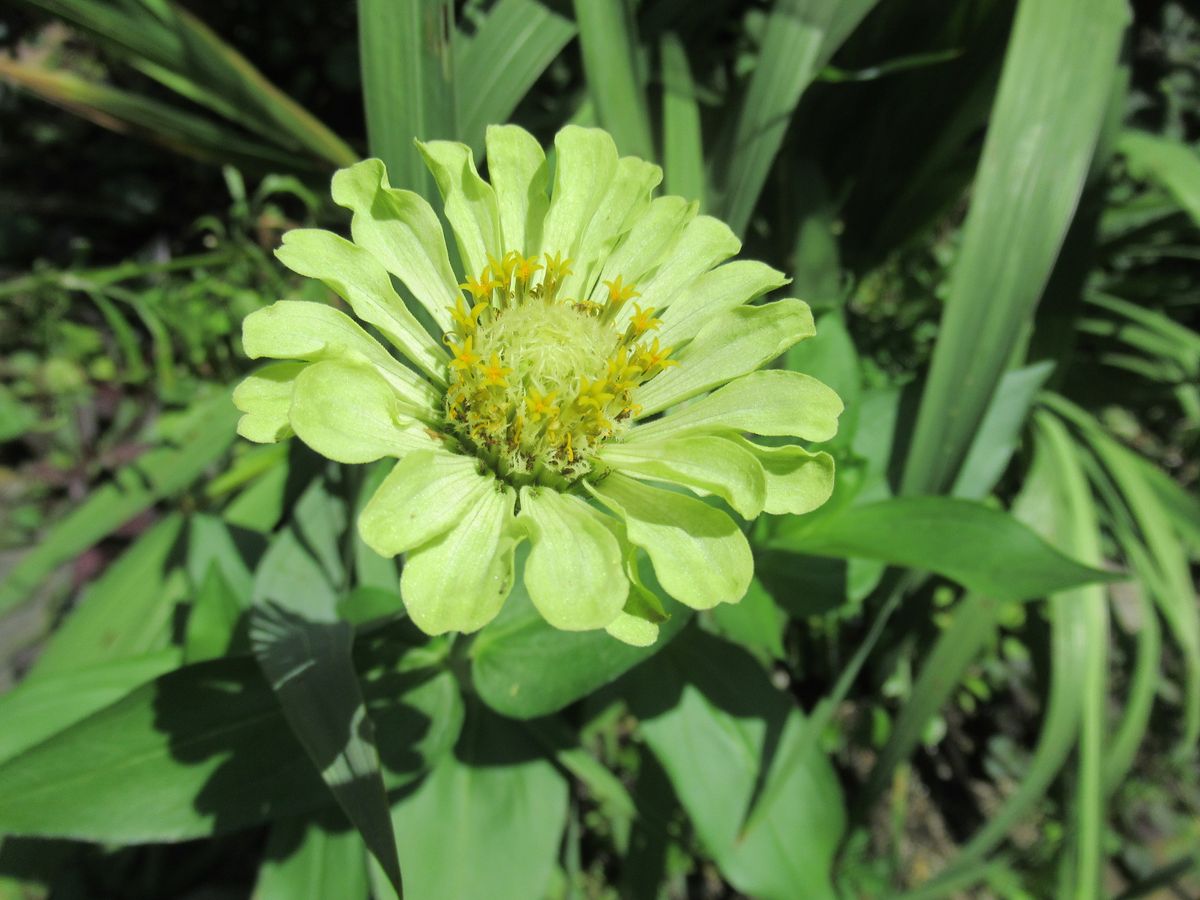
(610, 64)
(801, 36)
(124, 112)
(1039, 144)
(511, 49)
(408, 82)
(683, 147)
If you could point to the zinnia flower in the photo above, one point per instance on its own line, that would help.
(596, 344)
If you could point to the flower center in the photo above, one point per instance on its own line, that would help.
(539, 382)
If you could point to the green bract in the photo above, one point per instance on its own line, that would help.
(598, 342)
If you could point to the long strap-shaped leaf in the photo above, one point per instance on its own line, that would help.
(801, 36)
(408, 82)
(1051, 103)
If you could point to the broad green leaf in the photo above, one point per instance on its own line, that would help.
(1052, 101)
(202, 437)
(42, 706)
(407, 56)
(610, 64)
(524, 668)
(715, 722)
(127, 612)
(983, 548)
(487, 821)
(755, 623)
(311, 859)
(213, 618)
(206, 750)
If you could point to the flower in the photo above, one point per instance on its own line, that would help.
(541, 396)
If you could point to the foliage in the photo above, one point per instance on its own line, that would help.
(975, 669)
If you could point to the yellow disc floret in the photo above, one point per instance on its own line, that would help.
(537, 381)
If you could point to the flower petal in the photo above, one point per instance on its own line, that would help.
(699, 555)
(297, 329)
(361, 280)
(265, 396)
(729, 345)
(403, 232)
(459, 581)
(627, 198)
(772, 402)
(348, 412)
(586, 163)
(632, 630)
(797, 480)
(574, 571)
(469, 201)
(725, 287)
(705, 242)
(423, 497)
(706, 463)
(647, 243)
(517, 168)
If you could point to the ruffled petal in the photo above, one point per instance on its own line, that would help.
(517, 168)
(574, 571)
(347, 412)
(728, 346)
(798, 480)
(724, 288)
(424, 495)
(705, 242)
(358, 278)
(469, 201)
(403, 232)
(297, 329)
(585, 166)
(265, 396)
(648, 242)
(701, 558)
(459, 581)
(627, 198)
(772, 402)
(707, 464)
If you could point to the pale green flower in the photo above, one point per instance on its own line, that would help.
(596, 343)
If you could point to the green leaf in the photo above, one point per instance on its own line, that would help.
(516, 42)
(715, 722)
(524, 668)
(683, 140)
(213, 619)
(1052, 101)
(1171, 164)
(606, 36)
(45, 705)
(984, 549)
(205, 750)
(127, 612)
(487, 821)
(308, 663)
(407, 55)
(800, 37)
(311, 860)
(181, 131)
(206, 433)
